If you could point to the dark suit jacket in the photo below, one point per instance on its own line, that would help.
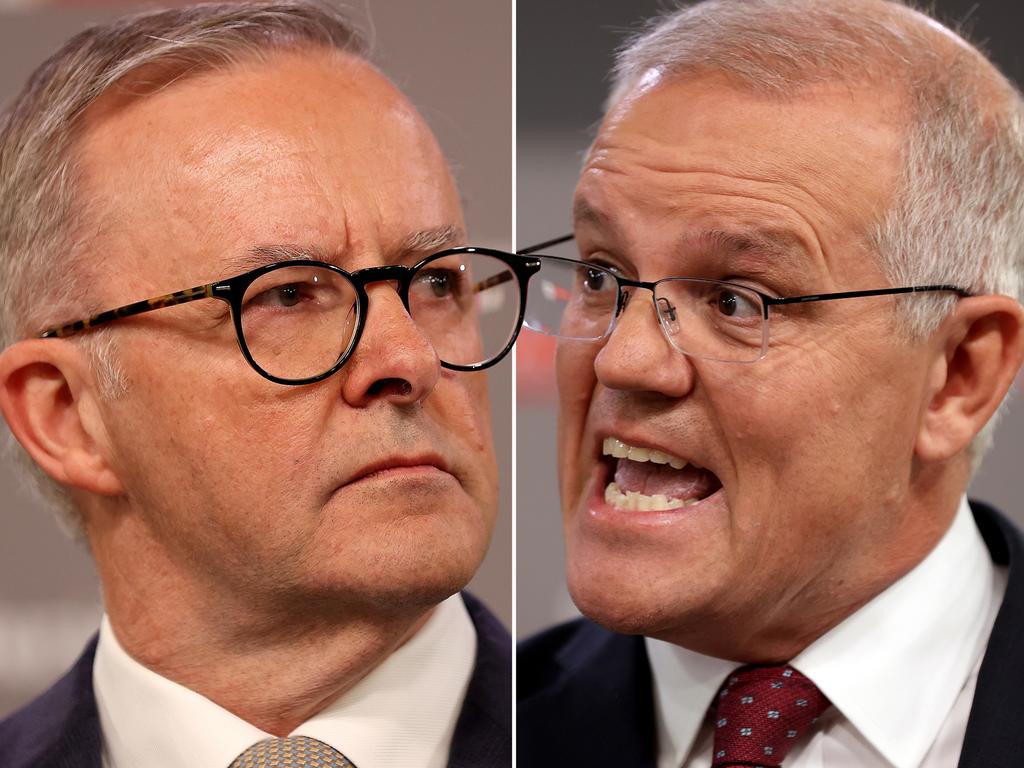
(61, 729)
(585, 694)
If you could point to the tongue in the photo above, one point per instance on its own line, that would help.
(649, 478)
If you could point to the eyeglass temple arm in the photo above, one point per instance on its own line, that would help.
(137, 308)
(875, 292)
(546, 244)
(493, 280)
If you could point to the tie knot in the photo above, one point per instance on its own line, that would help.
(760, 712)
(292, 752)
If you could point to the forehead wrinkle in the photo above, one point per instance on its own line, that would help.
(771, 247)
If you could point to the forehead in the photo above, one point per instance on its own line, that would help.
(308, 148)
(815, 167)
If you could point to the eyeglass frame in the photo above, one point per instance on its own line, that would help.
(766, 300)
(232, 290)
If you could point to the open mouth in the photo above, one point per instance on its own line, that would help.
(650, 480)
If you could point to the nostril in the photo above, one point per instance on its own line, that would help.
(392, 386)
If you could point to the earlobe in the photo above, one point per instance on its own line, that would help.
(48, 400)
(982, 347)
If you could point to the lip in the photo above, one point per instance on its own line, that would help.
(400, 466)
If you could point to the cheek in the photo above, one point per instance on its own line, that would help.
(464, 406)
(207, 430)
(814, 427)
(574, 370)
(460, 410)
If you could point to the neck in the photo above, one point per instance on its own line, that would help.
(274, 667)
(791, 623)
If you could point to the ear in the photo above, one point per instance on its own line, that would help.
(980, 350)
(47, 396)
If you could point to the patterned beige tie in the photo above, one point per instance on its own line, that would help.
(293, 752)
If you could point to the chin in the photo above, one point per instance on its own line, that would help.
(634, 601)
(401, 571)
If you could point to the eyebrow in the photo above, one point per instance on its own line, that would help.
(584, 213)
(762, 249)
(420, 242)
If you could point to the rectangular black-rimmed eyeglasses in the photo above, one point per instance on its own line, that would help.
(710, 319)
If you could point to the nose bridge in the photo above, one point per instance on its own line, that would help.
(627, 289)
(638, 358)
(388, 273)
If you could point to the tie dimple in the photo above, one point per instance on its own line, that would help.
(292, 752)
(760, 712)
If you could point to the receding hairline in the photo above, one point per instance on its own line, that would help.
(947, 52)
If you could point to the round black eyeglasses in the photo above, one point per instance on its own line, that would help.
(710, 319)
(298, 321)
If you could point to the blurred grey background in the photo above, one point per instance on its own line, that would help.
(453, 58)
(563, 55)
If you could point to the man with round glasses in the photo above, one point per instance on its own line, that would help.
(244, 335)
(786, 318)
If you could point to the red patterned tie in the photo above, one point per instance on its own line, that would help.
(760, 712)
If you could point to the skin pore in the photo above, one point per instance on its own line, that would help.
(263, 545)
(841, 453)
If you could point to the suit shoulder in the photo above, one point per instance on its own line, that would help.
(488, 627)
(557, 651)
(62, 721)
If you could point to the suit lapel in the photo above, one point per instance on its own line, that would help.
(597, 708)
(483, 733)
(994, 737)
(60, 729)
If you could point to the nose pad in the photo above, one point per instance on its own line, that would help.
(667, 315)
(640, 356)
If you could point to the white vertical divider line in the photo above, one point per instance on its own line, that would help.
(515, 393)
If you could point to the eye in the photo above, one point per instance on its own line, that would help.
(285, 295)
(440, 283)
(731, 302)
(594, 279)
(297, 289)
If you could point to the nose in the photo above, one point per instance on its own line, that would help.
(638, 356)
(393, 360)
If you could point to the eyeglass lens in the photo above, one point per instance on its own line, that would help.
(467, 305)
(705, 318)
(298, 321)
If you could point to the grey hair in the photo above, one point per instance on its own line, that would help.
(44, 257)
(958, 213)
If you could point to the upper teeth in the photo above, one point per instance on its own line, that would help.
(619, 449)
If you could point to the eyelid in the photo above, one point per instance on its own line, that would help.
(604, 260)
(750, 284)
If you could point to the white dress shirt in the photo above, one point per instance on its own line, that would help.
(900, 672)
(401, 715)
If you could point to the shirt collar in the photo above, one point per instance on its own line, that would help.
(894, 668)
(402, 714)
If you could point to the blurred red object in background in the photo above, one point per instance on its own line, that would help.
(535, 367)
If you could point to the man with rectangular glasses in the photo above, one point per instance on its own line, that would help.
(786, 318)
(243, 337)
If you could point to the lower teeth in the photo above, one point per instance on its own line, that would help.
(634, 501)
